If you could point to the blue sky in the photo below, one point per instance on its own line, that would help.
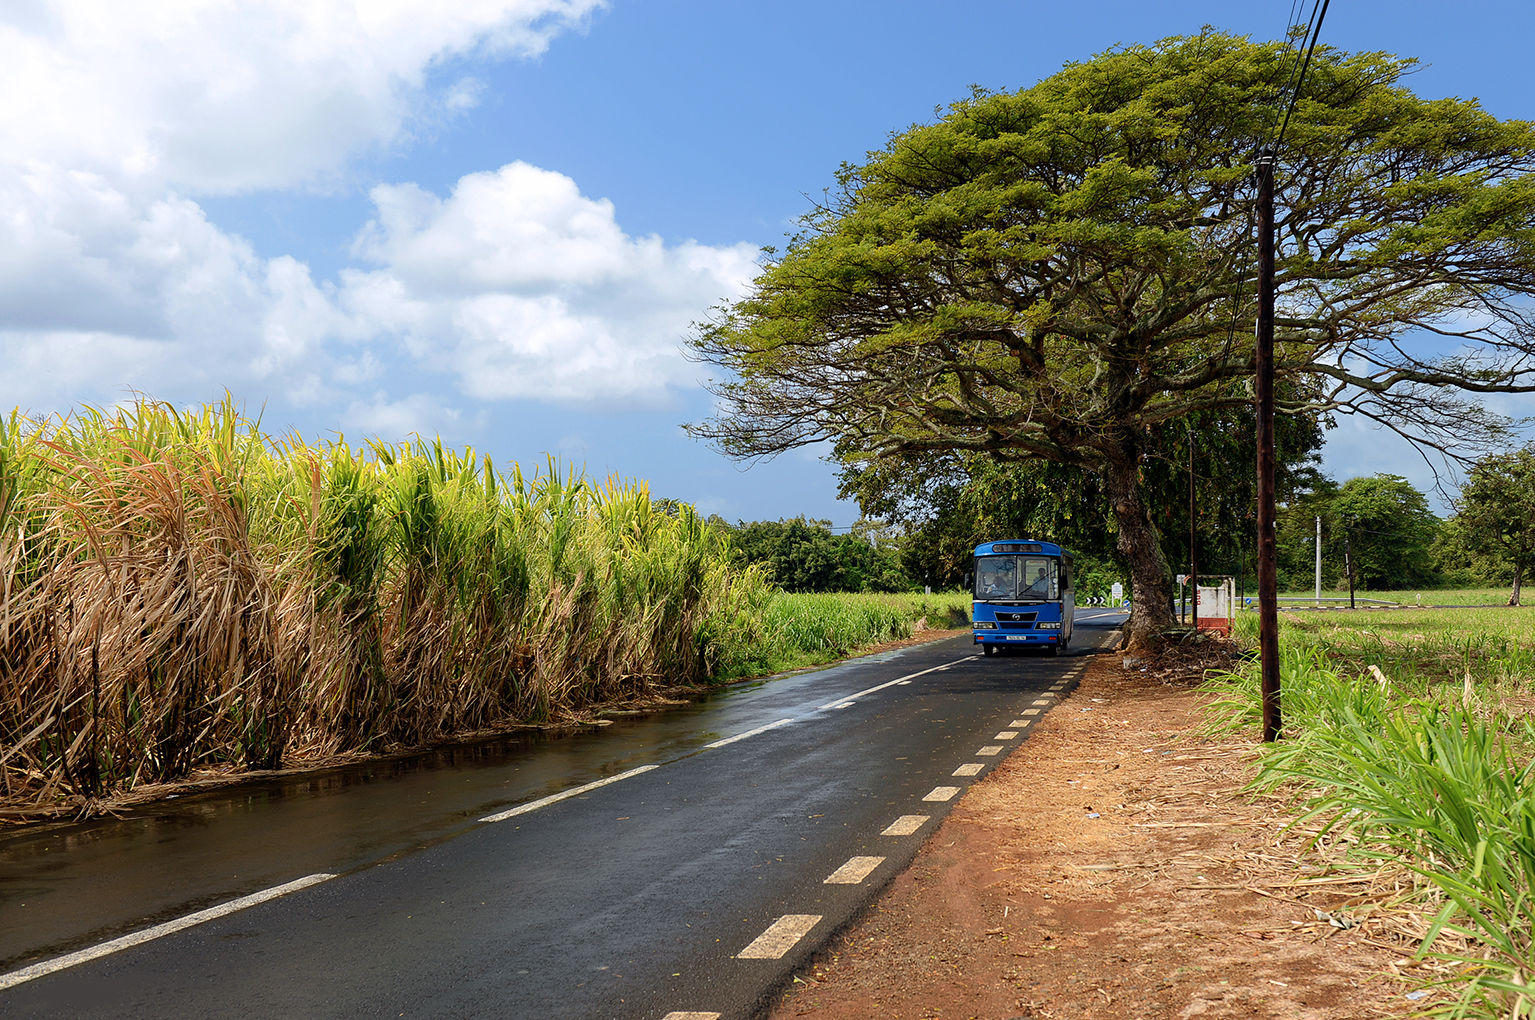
(493, 220)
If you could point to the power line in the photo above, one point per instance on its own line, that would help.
(1316, 31)
(1293, 82)
(1297, 67)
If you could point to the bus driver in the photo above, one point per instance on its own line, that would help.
(998, 580)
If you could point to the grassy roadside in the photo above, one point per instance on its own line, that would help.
(798, 630)
(1409, 759)
(1415, 597)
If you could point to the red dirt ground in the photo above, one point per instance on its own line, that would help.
(1111, 867)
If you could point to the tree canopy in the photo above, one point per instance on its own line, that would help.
(949, 504)
(805, 555)
(1389, 529)
(1061, 273)
(1496, 512)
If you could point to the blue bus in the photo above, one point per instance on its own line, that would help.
(1022, 595)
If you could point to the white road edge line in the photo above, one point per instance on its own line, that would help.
(905, 825)
(990, 750)
(941, 793)
(534, 805)
(678, 1014)
(891, 683)
(138, 938)
(968, 769)
(1006, 735)
(780, 937)
(854, 871)
(748, 733)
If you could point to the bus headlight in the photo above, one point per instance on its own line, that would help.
(984, 625)
(1055, 625)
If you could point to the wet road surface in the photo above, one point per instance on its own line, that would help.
(638, 898)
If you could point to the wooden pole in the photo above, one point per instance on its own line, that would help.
(1193, 534)
(1268, 570)
(1348, 561)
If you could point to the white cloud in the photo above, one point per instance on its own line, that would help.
(527, 289)
(209, 96)
(397, 421)
(100, 292)
(115, 118)
(515, 286)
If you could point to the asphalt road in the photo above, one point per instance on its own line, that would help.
(673, 866)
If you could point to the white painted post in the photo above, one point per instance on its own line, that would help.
(1319, 560)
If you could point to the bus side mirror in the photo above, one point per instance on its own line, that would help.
(970, 581)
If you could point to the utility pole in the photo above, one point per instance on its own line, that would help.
(1319, 560)
(1268, 568)
(1193, 543)
(1348, 563)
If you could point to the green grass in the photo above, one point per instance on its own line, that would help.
(1417, 648)
(1413, 597)
(1425, 769)
(797, 630)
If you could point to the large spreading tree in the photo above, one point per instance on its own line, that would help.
(1064, 272)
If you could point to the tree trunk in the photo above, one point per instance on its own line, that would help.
(1513, 599)
(1151, 610)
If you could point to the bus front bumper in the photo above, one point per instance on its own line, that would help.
(989, 637)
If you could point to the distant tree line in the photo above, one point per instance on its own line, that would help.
(924, 518)
(804, 555)
(1378, 528)
(1379, 531)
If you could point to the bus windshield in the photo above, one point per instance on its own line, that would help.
(1016, 579)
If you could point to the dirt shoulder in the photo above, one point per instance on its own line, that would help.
(1110, 867)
